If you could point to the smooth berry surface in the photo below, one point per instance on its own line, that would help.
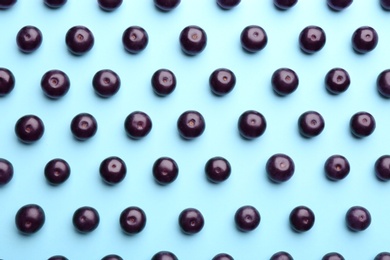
(312, 39)
(228, 4)
(383, 83)
(58, 257)
(83, 126)
(29, 39)
(364, 39)
(251, 124)
(79, 40)
(163, 82)
(191, 124)
(112, 257)
(86, 219)
(191, 221)
(165, 170)
(138, 125)
(132, 220)
(218, 169)
(362, 124)
(386, 6)
(135, 39)
(301, 219)
(166, 5)
(382, 168)
(358, 218)
(193, 40)
(29, 129)
(55, 3)
(284, 81)
(311, 124)
(6, 4)
(113, 170)
(7, 81)
(222, 81)
(333, 256)
(282, 255)
(57, 171)
(280, 168)
(382, 256)
(253, 38)
(164, 255)
(338, 5)
(30, 219)
(106, 83)
(285, 4)
(6, 171)
(109, 5)
(337, 81)
(336, 167)
(55, 84)
(223, 256)
(247, 218)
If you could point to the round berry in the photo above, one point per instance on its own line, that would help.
(383, 83)
(253, 38)
(223, 256)
(382, 168)
(191, 221)
(166, 5)
(362, 124)
(109, 5)
(191, 124)
(336, 167)
(29, 39)
(364, 39)
(164, 255)
(83, 126)
(338, 5)
(311, 124)
(57, 171)
(337, 80)
(29, 219)
(281, 256)
(6, 171)
(86, 219)
(284, 81)
(301, 219)
(54, 3)
(285, 4)
(165, 170)
(135, 39)
(79, 40)
(6, 4)
(58, 257)
(312, 39)
(280, 168)
(138, 125)
(163, 82)
(383, 255)
(106, 83)
(247, 218)
(217, 169)
(333, 256)
(112, 257)
(29, 129)
(55, 84)
(7, 81)
(132, 220)
(193, 40)
(386, 6)
(222, 81)
(228, 4)
(358, 218)
(113, 170)
(251, 124)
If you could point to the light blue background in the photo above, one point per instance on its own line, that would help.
(248, 184)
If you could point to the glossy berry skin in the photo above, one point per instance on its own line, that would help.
(280, 168)
(386, 6)
(228, 4)
(301, 219)
(165, 170)
(106, 83)
(29, 39)
(247, 218)
(79, 40)
(337, 81)
(383, 83)
(6, 4)
(191, 124)
(164, 255)
(54, 3)
(222, 81)
(193, 40)
(135, 39)
(362, 124)
(138, 125)
(109, 5)
(217, 169)
(163, 82)
(358, 218)
(251, 124)
(7, 81)
(112, 257)
(383, 256)
(55, 84)
(166, 5)
(113, 170)
(281, 256)
(191, 221)
(253, 38)
(6, 171)
(333, 256)
(285, 4)
(311, 124)
(338, 5)
(382, 168)
(336, 167)
(284, 81)
(29, 219)
(86, 219)
(57, 171)
(223, 256)
(83, 126)
(364, 39)
(58, 257)
(132, 220)
(29, 129)
(312, 39)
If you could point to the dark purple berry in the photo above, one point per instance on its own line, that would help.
(164, 255)
(54, 3)
(338, 5)
(106, 83)
(311, 124)
(29, 39)
(228, 4)
(6, 4)
(312, 39)
(383, 255)
(113, 170)
(163, 82)
(223, 256)
(284, 81)
(6, 171)
(191, 124)
(135, 39)
(138, 125)
(281, 256)
(165, 170)
(333, 256)
(193, 40)
(58, 257)
(55, 84)
(112, 257)
(362, 124)
(79, 40)
(337, 80)
(166, 5)
(247, 218)
(386, 6)
(217, 169)
(364, 39)
(336, 167)
(30, 219)
(382, 168)
(301, 219)
(222, 81)
(251, 124)
(29, 129)
(285, 4)
(57, 171)
(86, 219)
(358, 218)
(191, 221)
(383, 83)
(253, 38)
(280, 168)
(7, 81)
(83, 126)
(109, 5)
(132, 220)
